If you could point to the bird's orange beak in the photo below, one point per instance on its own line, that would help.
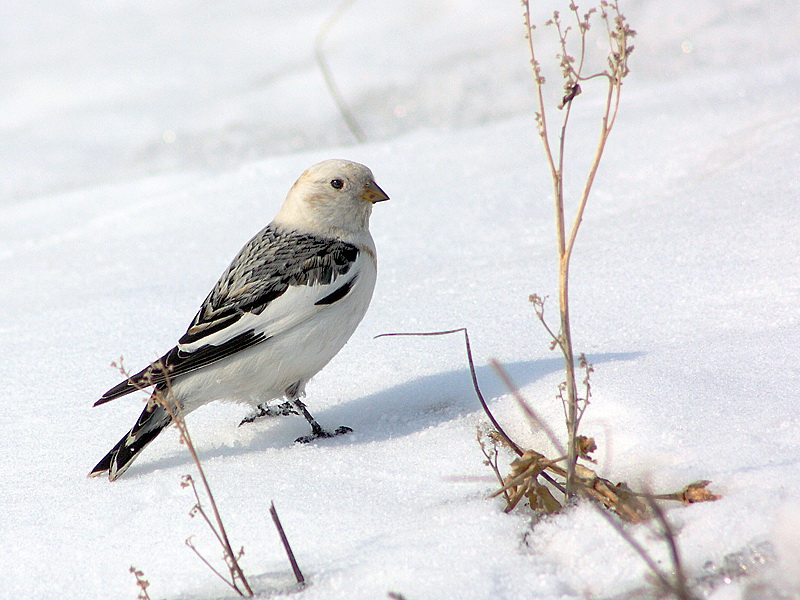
(373, 193)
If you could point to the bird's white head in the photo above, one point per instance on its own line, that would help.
(333, 197)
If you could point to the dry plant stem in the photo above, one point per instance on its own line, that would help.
(638, 548)
(141, 583)
(474, 375)
(198, 508)
(348, 117)
(491, 461)
(541, 116)
(679, 587)
(511, 443)
(210, 566)
(556, 172)
(165, 399)
(566, 244)
(219, 530)
(532, 414)
(298, 574)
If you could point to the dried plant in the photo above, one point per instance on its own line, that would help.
(535, 477)
(236, 578)
(631, 506)
(572, 66)
(579, 479)
(163, 396)
(235, 574)
(543, 481)
(628, 504)
(141, 583)
(492, 457)
(298, 574)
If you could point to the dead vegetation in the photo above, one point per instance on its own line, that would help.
(547, 484)
(235, 577)
(162, 396)
(572, 64)
(141, 583)
(523, 482)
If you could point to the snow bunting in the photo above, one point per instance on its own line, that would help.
(281, 311)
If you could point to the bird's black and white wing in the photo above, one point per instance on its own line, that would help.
(277, 281)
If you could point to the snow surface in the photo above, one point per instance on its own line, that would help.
(142, 145)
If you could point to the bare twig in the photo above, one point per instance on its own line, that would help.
(588, 369)
(679, 586)
(191, 545)
(322, 62)
(197, 509)
(285, 541)
(572, 74)
(475, 385)
(538, 307)
(164, 398)
(231, 559)
(532, 414)
(141, 583)
(491, 461)
(541, 115)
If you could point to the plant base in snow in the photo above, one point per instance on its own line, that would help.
(524, 482)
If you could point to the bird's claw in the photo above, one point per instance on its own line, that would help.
(322, 433)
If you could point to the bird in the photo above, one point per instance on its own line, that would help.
(286, 305)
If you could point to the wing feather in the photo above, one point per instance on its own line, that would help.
(176, 363)
(278, 280)
(267, 266)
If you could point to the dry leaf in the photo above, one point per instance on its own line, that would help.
(586, 446)
(542, 499)
(586, 474)
(618, 498)
(698, 492)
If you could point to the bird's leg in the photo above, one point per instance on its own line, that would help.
(316, 429)
(265, 410)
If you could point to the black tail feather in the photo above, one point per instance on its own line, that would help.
(151, 422)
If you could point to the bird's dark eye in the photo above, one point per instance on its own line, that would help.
(337, 184)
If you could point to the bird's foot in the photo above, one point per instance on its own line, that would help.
(266, 410)
(319, 432)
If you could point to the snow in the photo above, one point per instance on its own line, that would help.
(141, 146)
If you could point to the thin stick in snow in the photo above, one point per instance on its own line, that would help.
(285, 541)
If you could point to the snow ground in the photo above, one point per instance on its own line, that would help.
(685, 292)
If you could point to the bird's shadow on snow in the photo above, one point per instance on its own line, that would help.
(394, 412)
(434, 399)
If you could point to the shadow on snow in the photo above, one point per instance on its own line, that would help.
(394, 412)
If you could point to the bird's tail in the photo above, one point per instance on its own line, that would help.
(153, 419)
